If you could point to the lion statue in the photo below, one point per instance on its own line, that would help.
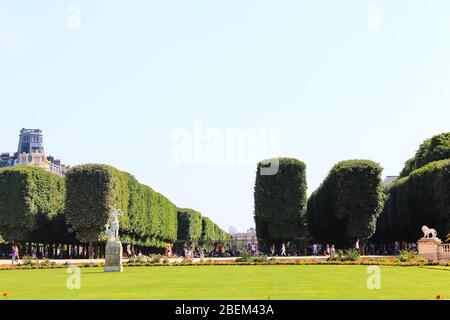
(429, 233)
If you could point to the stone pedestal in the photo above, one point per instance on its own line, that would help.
(113, 256)
(429, 248)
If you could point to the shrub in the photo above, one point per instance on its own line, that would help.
(246, 257)
(347, 255)
(156, 258)
(407, 255)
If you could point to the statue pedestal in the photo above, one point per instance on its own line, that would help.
(113, 256)
(429, 248)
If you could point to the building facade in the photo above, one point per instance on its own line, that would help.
(249, 237)
(31, 152)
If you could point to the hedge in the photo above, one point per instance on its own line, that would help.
(434, 149)
(422, 198)
(211, 232)
(347, 204)
(190, 225)
(149, 219)
(280, 202)
(32, 205)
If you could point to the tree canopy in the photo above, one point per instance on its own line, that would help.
(347, 204)
(434, 149)
(280, 202)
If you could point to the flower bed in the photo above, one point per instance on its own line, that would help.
(416, 262)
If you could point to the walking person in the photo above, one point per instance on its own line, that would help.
(219, 249)
(283, 250)
(333, 250)
(253, 249)
(272, 250)
(315, 249)
(328, 250)
(15, 254)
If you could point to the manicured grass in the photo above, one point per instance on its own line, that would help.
(229, 282)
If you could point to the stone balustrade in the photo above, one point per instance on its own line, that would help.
(433, 249)
(444, 251)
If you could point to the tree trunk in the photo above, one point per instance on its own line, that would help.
(91, 250)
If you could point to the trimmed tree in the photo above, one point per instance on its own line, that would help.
(422, 198)
(149, 219)
(211, 232)
(31, 205)
(347, 204)
(434, 149)
(189, 225)
(280, 202)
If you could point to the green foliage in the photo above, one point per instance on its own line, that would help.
(246, 257)
(347, 255)
(407, 255)
(347, 204)
(190, 225)
(280, 202)
(420, 199)
(31, 204)
(211, 232)
(149, 219)
(434, 149)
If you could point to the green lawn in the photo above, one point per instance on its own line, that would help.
(229, 282)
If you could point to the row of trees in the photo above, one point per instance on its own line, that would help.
(32, 205)
(352, 203)
(421, 196)
(193, 228)
(41, 207)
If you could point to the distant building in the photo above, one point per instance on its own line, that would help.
(7, 160)
(30, 152)
(30, 141)
(248, 237)
(388, 180)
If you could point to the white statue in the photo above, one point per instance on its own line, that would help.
(112, 226)
(429, 233)
(109, 233)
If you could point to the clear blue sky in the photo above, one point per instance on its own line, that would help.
(116, 89)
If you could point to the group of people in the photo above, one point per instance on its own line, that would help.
(283, 252)
(317, 249)
(218, 252)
